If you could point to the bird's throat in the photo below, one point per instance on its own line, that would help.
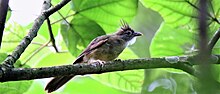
(132, 41)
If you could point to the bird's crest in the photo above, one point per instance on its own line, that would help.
(124, 25)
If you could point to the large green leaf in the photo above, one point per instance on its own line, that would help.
(127, 81)
(177, 36)
(87, 85)
(161, 81)
(79, 33)
(215, 8)
(175, 12)
(54, 59)
(18, 87)
(2, 57)
(147, 22)
(171, 42)
(36, 88)
(182, 13)
(13, 34)
(107, 13)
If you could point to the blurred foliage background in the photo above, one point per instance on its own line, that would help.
(169, 28)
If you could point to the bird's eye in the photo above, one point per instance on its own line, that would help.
(128, 33)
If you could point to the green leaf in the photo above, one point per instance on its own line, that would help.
(172, 42)
(2, 57)
(127, 54)
(107, 13)
(79, 34)
(215, 8)
(16, 87)
(169, 84)
(161, 81)
(87, 85)
(8, 14)
(183, 13)
(54, 59)
(36, 88)
(128, 81)
(147, 22)
(175, 12)
(13, 34)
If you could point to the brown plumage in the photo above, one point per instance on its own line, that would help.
(104, 48)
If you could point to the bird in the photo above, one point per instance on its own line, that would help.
(103, 48)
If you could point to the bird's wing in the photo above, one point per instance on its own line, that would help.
(57, 82)
(95, 43)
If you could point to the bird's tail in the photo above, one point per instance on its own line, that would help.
(57, 82)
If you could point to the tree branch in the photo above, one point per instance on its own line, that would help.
(11, 59)
(207, 82)
(56, 8)
(182, 63)
(3, 14)
(214, 39)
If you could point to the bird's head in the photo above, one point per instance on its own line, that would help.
(127, 34)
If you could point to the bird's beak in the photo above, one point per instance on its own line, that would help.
(138, 34)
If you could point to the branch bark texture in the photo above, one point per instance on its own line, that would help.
(16, 74)
(3, 14)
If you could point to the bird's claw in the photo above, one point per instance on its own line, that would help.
(101, 63)
(117, 59)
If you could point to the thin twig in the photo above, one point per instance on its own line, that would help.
(71, 15)
(35, 52)
(63, 18)
(35, 43)
(40, 44)
(214, 39)
(51, 35)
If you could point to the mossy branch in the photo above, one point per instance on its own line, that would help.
(183, 63)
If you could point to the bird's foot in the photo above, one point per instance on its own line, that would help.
(117, 59)
(101, 62)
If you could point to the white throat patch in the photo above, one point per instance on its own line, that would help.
(132, 41)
